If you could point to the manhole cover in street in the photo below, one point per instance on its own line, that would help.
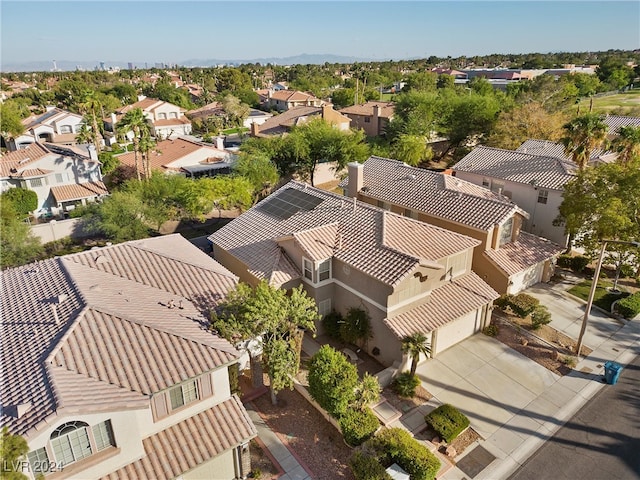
(475, 461)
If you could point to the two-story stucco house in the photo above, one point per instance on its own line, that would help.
(62, 177)
(54, 126)
(282, 100)
(109, 370)
(166, 119)
(534, 182)
(507, 259)
(409, 276)
(284, 122)
(372, 117)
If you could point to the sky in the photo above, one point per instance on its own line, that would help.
(177, 31)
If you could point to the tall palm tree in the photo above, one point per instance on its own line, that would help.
(627, 144)
(414, 345)
(91, 106)
(134, 121)
(145, 145)
(84, 135)
(583, 135)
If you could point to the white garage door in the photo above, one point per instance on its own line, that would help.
(457, 330)
(526, 278)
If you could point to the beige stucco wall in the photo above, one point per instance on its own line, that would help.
(234, 265)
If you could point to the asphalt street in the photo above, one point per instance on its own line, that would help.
(601, 442)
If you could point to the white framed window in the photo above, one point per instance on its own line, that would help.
(66, 129)
(38, 460)
(103, 435)
(162, 116)
(324, 307)
(59, 178)
(173, 115)
(79, 127)
(324, 270)
(307, 267)
(36, 182)
(543, 196)
(486, 182)
(457, 264)
(70, 442)
(183, 394)
(506, 231)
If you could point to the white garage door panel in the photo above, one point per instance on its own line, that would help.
(525, 279)
(457, 330)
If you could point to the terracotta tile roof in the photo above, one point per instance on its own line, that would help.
(47, 118)
(281, 123)
(292, 96)
(214, 108)
(172, 121)
(12, 163)
(362, 240)
(616, 121)
(529, 250)
(100, 320)
(168, 151)
(191, 442)
(77, 191)
(366, 109)
(445, 304)
(435, 193)
(547, 172)
(318, 243)
(547, 148)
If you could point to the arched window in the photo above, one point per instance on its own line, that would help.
(70, 442)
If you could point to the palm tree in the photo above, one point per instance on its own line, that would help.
(146, 144)
(414, 345)
(84, 135)
(134, 121)
(91, 105)
(627, 144)
(583, 135)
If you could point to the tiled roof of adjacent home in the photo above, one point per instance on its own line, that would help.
(281, 123)
(292, 96)
(189, 443)
(13, 163)
(528, 250)
(99, 322)
(616, 121)
(77, 191)
(47, 118)
(366, 109)
(167, 122)
(368, 238)
(319, 243)
(546, 148)
(445, 304)
(435, 194)
(542, 171)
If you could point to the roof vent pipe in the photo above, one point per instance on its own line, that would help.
(54, 310)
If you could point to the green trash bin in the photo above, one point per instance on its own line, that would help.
(612, 372)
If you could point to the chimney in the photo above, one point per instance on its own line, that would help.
(93, 155)
(326, 112)
(50, 107)
(114, 120)
(220, 143)
(255, 129)
(356, 178)
(376, 111)
(141, 97)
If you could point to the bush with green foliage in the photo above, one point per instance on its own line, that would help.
(358, 426)
(24, 200)
(629, 307)
(396, 445)
(520, 304)
(331, 324)
(540, 316)
(576, 263)
(332, 380)
(365, 467)
(447, 421)
(490, 330)
(405, 384)
(356, 326)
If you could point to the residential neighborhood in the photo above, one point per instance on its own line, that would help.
(322, 266)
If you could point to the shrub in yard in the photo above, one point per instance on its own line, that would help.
(331, 324)
(447, 421)
(405, 384)
(396, 445)
(564, 261)
(540, 316)
(523, 304)
(356, 326)
(579, 263)
(365, 467)
(490, 330)
(332, 380)
(358, 426)
(629, 307)
(503, 301)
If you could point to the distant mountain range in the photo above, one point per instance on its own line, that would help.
(305, 58)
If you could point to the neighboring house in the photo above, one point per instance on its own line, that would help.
(109, 370)
(507, 259)
(372, 117)
(534, 182)
(282, 100)
(166, 119)
(278, 86)
(215, 109)
(256, 116)
(282, 123)
(185, 156)
(407, 275)
(63, 177)
(546, 148)
(616, 121)
(54, 126)
(457, 74)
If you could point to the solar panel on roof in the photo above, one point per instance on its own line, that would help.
(288, 203)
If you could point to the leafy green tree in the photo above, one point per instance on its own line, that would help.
(235, 111)
(415, 345)
(615, 72)
(259, 170)
(627, 144)
(332, 380)
(367, 392)
(12, 450)
(446, 81)
(586, 84)
(411, 149)
(135, 122)
(121, 217)
(17, 244)
(481, 86)
(421, 82)
(232, 79)
(10, 120)
(584, 135)
(24, 200)
(109, 162)
(415, 114)
(343, 97)
(272, 318)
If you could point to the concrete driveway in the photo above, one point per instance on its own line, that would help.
(486, 380)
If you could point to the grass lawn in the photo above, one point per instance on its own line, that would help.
(387, 97)
(602, 298)
(230, 131)
(627, 102)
